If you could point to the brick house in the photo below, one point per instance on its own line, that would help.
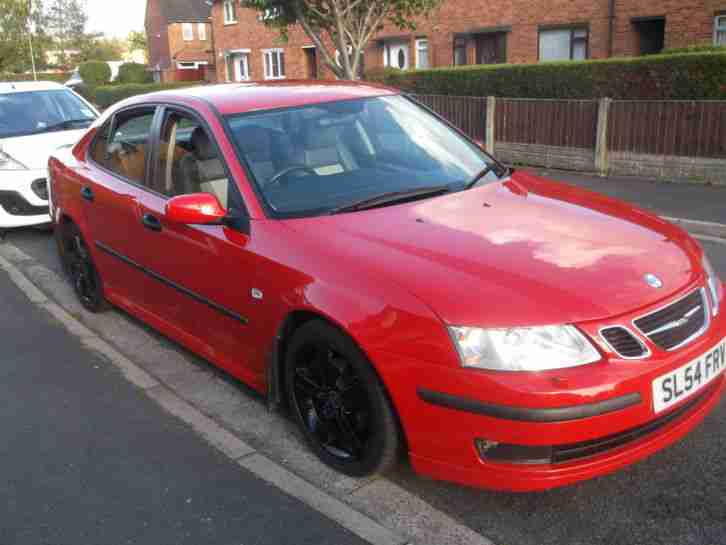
(179, 35)
(461, 32)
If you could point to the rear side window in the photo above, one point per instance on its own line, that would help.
(123, 146)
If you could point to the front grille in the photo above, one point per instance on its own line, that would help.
(14, 204)
(678, 323)
(623, 342)
(577, 451)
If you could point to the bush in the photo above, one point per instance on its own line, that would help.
(132, 72)
(58, 77)
(702, 48)
(95, 73)
(87, 92)
(680, 76)
(111, 94)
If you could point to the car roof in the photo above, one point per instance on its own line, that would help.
(232, 98)
(26, 86)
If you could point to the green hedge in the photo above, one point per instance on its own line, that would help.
(95, 73)
(132, 72)
(59, 77)
(680, 76)
(110, 94)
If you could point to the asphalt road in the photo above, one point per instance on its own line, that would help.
(676, 497)
(87, 458)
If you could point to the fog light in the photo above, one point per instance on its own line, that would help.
(40, 188)
(491, 451)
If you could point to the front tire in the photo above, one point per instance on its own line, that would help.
(339, 402)
(78, 265)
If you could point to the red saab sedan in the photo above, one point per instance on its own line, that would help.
(342, 249)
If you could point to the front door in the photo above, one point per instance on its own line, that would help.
(490, 48)
(311, 62)
(242, 67)
(210, 307)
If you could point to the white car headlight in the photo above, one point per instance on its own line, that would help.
(714, 285)
(8, 163)
(523, 349)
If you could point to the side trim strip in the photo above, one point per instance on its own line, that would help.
(560, 414)
(219, 308)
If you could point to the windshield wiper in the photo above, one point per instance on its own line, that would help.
(471, 183)
(67, 124)
(392, 197)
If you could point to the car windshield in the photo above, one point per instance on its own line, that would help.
(323, 158)
(35, 112)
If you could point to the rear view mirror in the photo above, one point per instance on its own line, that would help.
(195, 209)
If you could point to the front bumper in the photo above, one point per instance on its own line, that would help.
(20, 206)
(591, 420)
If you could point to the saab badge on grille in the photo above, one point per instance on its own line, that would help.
(653, 281)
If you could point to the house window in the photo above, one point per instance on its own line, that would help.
(188, 32)
(719, 30)
(459, 52)
(422, 54)
(563, 44)
(202, 31)
(274, 60)
(270, 13)
(395, 55)
(230, 12)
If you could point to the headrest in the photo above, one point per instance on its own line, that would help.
(321, 137)
(202, 145)
(256, 140)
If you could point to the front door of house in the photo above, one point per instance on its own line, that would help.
(242, 67)
(490, 48)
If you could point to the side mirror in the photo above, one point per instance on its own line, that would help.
(195, 209)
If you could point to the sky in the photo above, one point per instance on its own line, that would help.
(115, 18)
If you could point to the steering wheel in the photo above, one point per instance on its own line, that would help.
(285, 171)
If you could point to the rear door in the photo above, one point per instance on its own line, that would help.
(119, 162)
(204, 274)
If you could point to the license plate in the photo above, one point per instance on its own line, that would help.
(687, 380)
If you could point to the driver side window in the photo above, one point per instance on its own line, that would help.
(124, 150)
(189, 161)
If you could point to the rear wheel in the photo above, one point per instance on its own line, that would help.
(339, 402)
(79, 267)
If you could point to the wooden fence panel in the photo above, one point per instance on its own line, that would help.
(563, 123)
(671, 128)
(469, 114)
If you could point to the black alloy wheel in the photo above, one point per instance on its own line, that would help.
(339, 402)
(79, 267)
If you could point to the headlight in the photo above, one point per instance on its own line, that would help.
(8, 163)
(715, 287)
(523, 349)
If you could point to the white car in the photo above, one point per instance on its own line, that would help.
(36, 118)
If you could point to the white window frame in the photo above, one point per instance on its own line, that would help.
(190, 65)
(188, 32)
(230, 12)
(270, 66)
(202, 31)
(422, 44)
(719, 27)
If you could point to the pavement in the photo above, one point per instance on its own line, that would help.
(673, 498)
(704, 203)
(89, 459)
